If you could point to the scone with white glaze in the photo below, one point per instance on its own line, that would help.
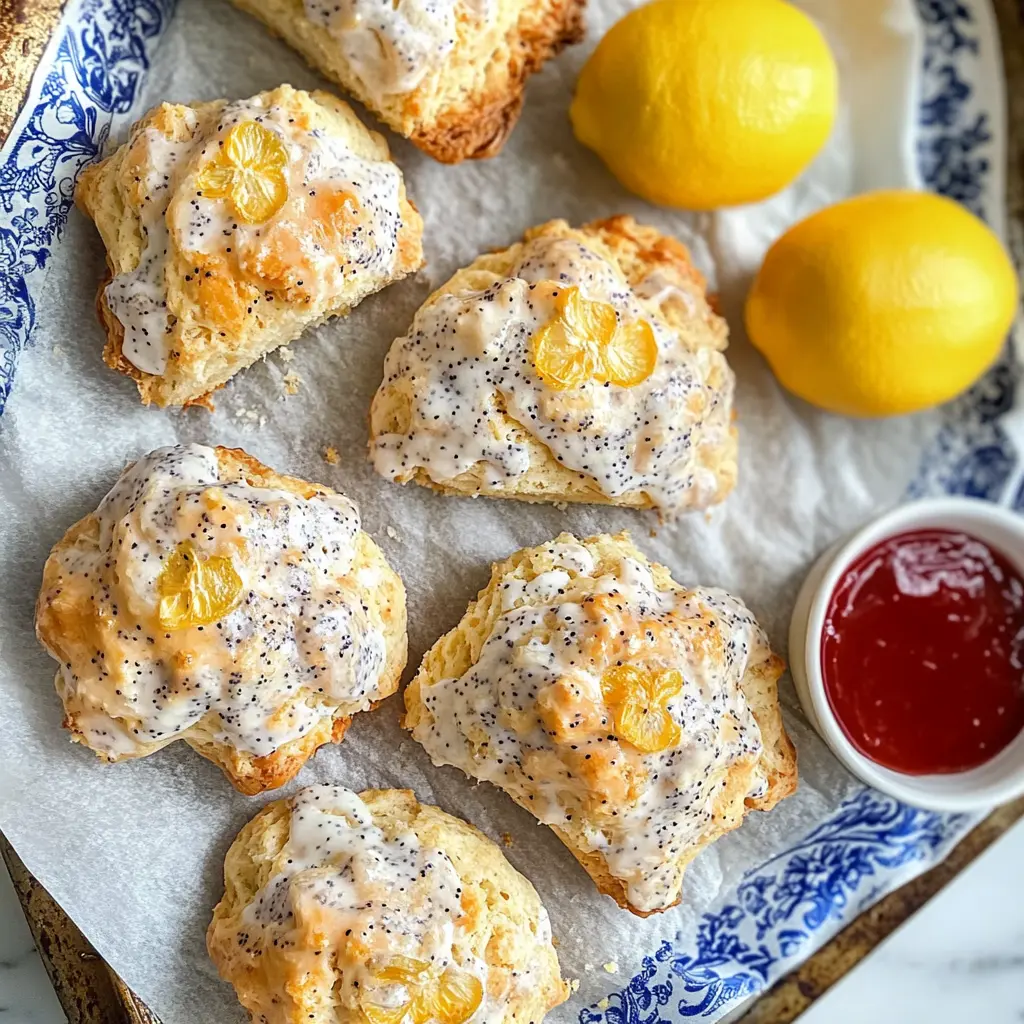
(447, 74)
(211, 600)
(371, 908)
(578, 365)
(231, 227)
(636, 717)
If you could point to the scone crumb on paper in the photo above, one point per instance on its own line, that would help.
(250, 415)
(286, 354)
(574, 985)
(507, 839)
(331, 455)
(292, 383)
(391, 532)
(612, 967)
(603, 1004)
(562, 162)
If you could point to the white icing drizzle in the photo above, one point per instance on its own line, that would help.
(368, 897)
(297, 645)
(491, 722)
(316, 161)
(389, 894)
(392, 44)
(139, 298)
(172, 211)
(656, 288)
(470, 351)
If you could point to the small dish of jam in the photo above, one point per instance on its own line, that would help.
(907, 650)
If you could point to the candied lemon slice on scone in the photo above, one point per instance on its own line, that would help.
(232, 226)
(212, 600)
(249, 171)
(577, 365)
(196, 590)
(583, 341)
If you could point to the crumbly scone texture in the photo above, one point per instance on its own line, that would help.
(457, 651)
(468, 107)
(638, 250)
(223, 320)
(248, 773)
(498, 903)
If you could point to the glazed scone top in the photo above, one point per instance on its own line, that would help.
(378, 897)
(385, 910)
(185, 599)
(266, 197)
(608, 707)
(392, 45)
(561, 345)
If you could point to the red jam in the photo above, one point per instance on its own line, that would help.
(923, 652)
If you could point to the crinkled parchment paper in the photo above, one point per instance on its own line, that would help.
(134, 851)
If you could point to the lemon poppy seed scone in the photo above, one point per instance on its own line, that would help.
(211, 600)
(638, 718)
(578, 365)
(372, 908)
(447, 74)
(232, 227)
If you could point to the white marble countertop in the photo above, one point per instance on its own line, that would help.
(961, 958)
(26, 996)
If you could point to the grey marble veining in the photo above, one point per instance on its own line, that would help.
(26, 996)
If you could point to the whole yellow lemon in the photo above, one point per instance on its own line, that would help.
(883, 304)
(707, 103)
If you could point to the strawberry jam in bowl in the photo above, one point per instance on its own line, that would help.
(907, 650)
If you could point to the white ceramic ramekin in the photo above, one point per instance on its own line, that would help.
(992, 783)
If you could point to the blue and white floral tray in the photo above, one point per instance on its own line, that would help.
(786, 908)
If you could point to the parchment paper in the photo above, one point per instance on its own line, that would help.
(134, 851)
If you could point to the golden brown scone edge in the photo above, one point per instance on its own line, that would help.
(467, 109)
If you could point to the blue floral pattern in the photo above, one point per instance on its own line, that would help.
(779, 911)
(954, 138)
(789, 905)
(972, 453)
(95, 76)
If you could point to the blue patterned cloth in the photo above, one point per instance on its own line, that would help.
(787, 907)
(95, 75)
(783, 910)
